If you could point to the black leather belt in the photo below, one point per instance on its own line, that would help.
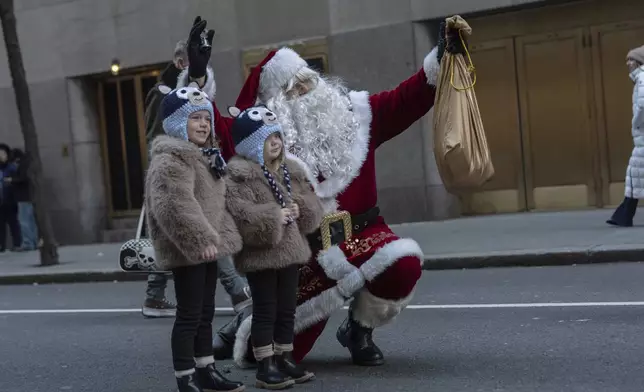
(359, 222)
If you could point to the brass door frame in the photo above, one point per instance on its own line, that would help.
(139, 100)
(600, 124)
(584, 58)
(520, 180)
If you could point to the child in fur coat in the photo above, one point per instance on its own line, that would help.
(190, 228)
(274, 208)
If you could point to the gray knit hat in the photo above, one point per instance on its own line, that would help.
(636, 54)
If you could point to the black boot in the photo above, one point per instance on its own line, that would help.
(270, 377)
(212, 381)
(189, 383)
(359, 341)
(623, 215)
(224, 340)
(287, 365)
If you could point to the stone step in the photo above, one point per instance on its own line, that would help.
(118, 235)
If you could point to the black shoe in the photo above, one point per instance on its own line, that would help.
(212, 381)
(224, 340)
(188, 383)
(620, 224)
(287, 365)
(359, 341)
(270, 377)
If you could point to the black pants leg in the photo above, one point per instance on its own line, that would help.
(3, 228)
(623, 215)
(9, 217)
(263, 288)
(287, 280)
(192, 333)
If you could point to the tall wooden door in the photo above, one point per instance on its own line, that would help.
(555, 109)
(613, 91)
(496, 90)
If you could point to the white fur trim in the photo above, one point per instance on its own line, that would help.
(329, 205)
(210, 88)
(279, 70)
(432, 67)
(242, 338)
(388, 254)
(181, 373)
(350, 279)
(334, 263)
(373, 312)
(202, 362)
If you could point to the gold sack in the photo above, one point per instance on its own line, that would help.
(460, 147)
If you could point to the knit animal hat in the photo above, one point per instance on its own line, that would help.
(250, 130)
(636, 54)
(179, 104)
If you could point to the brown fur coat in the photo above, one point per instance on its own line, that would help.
(269, 244)
(185, 205)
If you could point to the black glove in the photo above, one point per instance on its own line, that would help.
(441, 42)
(454, 42)
(198, 50)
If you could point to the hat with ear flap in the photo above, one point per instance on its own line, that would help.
(250, 130)
(179, 104)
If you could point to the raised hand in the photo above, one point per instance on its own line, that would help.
(199, 48)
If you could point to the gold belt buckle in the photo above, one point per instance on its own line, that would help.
(325, 227)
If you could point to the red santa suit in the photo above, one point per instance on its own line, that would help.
(376, 268)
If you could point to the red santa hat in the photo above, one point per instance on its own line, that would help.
(269, 76)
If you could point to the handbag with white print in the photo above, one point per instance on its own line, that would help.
(137, 255)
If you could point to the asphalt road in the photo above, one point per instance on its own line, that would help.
(594, 341)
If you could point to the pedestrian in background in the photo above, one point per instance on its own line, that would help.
(634, 183)
(8, 203)
(22, 192)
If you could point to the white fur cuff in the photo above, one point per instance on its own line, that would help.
(432, 67)
(373, 312)
(210, 88)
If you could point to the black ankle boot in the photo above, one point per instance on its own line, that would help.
(287, 365)
(212, 381)
(224, 340)
(270, 377)
(189, 383)
(359, 341)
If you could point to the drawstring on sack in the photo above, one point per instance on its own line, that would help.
(470, 68)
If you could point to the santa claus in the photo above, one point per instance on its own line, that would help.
(333, 132)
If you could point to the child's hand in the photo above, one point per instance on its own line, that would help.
(295, 210)
(210, 253)
(286, 215)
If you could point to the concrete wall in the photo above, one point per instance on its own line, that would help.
(374, 44)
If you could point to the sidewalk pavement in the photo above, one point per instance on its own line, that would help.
(527, 239)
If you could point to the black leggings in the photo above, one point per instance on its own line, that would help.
(192, 333)
(9, 217)
(274, 295)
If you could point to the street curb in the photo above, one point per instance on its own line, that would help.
(561, 257)
(533, 258)
(72, 277)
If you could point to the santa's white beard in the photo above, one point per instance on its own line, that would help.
(319, 127)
